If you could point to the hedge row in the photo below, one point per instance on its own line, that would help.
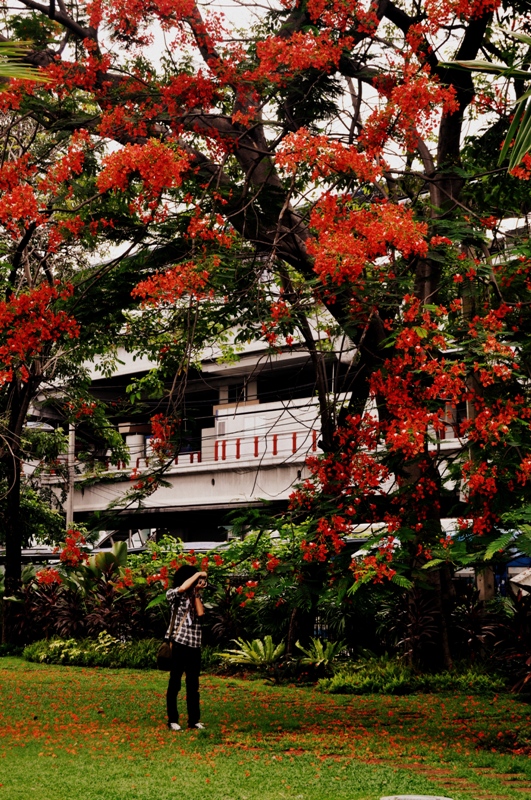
(392, 677)
(105, 651)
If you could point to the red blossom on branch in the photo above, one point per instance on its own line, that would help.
(28, 324)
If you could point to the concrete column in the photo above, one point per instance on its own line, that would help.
(71, 460)
(485, 583)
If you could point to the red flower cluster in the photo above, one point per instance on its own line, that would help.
(350, 236)
(167, 287)
(72, 555)
(161, 575)
(82, 409)
(158, 166)
(325, 157)
(163, 430)
(28, 325)
(377, 566)
(126, 581)
(371, 567)
(281, 57)
(272, 562)
(48, 577)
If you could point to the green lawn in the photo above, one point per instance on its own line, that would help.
(70, 733)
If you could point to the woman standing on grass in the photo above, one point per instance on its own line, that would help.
(186, 610)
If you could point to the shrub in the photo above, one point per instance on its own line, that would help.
(320, 655)
(272, 662)
(468, 682)
(210, 658)
(376, 676)
(258, 653)
(10, 650)
(263, 656)
(386, 676)
(105, 651)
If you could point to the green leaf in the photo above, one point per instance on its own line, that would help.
(358, 584)
(486, 66)
(119, 551)
(421, 332)
(464, 560)
(402, 581)
(435, 255)
(511, 133)
(523, 97)
(11, 66)
(521, 37)
(498, 544)
(524, 544)
(435, 562)
(522, 143)
(159, 600)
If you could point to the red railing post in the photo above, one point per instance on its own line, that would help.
(223, 449)
(216, 454)
(314, 441)
(294, 442)
(275, 444)
(256, 446)
(237, 448)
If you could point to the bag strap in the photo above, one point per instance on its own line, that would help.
(181, 623)
(172, 622)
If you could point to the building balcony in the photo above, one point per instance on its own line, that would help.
(254, 452)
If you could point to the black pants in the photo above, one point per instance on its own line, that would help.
(188, 660)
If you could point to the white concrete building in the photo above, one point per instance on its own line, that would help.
(249, 427)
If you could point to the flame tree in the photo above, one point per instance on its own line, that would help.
(47, 324)
(327, 159)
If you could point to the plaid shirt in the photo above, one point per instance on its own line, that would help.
(188, 631)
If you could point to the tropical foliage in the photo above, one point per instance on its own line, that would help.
(258, 601)
(257, 653)
(11, 63)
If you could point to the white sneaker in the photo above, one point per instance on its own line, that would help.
(174, 726)
(198, 726)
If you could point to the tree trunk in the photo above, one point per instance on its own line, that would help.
(292, 632)
(13, 565)
(443, 588)
(20, 396)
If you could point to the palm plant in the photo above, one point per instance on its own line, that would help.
(11, 67)
(257, 653)
(319, 654)
(518, 140)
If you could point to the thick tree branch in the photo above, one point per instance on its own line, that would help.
(203, 39)
(63, 19)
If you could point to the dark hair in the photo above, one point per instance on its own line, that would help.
(182, 575)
